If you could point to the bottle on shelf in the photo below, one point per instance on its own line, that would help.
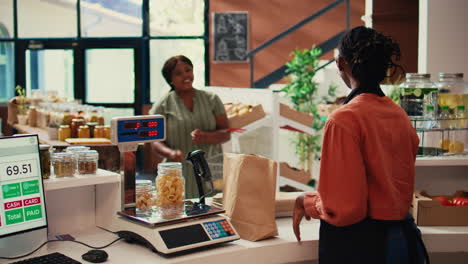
(429, 117)
(461, 117)
(416, 93)
(444, 117)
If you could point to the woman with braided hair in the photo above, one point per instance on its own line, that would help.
(367, 166)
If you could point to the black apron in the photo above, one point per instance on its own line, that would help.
(372, 241)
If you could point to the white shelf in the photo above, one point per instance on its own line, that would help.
(101, 177)
(288, 122)
(265, 121)
(286, 181)
(456, 160)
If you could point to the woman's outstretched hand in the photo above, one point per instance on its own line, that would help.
(298, 214)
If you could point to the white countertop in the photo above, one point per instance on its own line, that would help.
(282, 249)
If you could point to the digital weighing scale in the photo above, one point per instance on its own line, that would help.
(198, 225)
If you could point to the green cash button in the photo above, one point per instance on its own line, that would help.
(11, 190)
(33, 212)
(30, 187)
(14, 216)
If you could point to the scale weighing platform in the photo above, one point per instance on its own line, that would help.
(196, 225)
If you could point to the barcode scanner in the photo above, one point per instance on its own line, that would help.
(202, 172)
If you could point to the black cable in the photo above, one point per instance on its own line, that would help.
(56, 240)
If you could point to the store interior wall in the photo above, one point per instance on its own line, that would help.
(443, 37)
(399, 19)
(442, 48)
(268, 20)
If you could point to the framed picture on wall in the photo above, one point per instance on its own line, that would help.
(230, 37)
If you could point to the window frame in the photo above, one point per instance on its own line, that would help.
(80, 44)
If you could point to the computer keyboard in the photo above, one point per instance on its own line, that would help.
(52, 258)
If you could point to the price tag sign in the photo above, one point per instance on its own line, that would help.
(21, 190)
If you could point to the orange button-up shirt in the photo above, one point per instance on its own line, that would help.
(367, 166)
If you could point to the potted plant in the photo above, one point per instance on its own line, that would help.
(21, 105)
(302, 91)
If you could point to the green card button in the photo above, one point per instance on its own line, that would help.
(33, 212)
(30, 187)
(11, 190)
(14, 216)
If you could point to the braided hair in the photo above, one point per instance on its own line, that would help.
(369, 54)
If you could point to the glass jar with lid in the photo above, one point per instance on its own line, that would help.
(92, 127)
(144, 197)
(66, 118)
(75, 124)
(87, 161)
(451, 83)
(416, 93)
(84, 132)
(170, 189)
(99, 131)
(93, 117)
(107, 132)
(451, 87)
(63, 164)
(64, 132)
(74, 150)
(45, 160)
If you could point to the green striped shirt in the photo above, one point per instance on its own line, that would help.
(180, 122)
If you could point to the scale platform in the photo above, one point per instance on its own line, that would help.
(196, 226)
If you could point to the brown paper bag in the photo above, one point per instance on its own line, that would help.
(249, 195)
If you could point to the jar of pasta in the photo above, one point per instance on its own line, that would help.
(144, 197)
(170, 189)
(87, 161)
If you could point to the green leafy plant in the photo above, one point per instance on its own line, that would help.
(395, 82)
(21, 100)
(302, 91)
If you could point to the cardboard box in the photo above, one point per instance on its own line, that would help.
(247, 118)
(326, 109)
(300, 117)
(284, 203)
(429, 212)
(294, 174)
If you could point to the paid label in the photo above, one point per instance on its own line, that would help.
(33, 212)
(30, 187)
(14, 216)
(11, 190)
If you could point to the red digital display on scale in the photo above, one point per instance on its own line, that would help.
(136, 125)
(150, 124)
(148, 133)
(130, 125)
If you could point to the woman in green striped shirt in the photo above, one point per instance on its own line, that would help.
(195, 119)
